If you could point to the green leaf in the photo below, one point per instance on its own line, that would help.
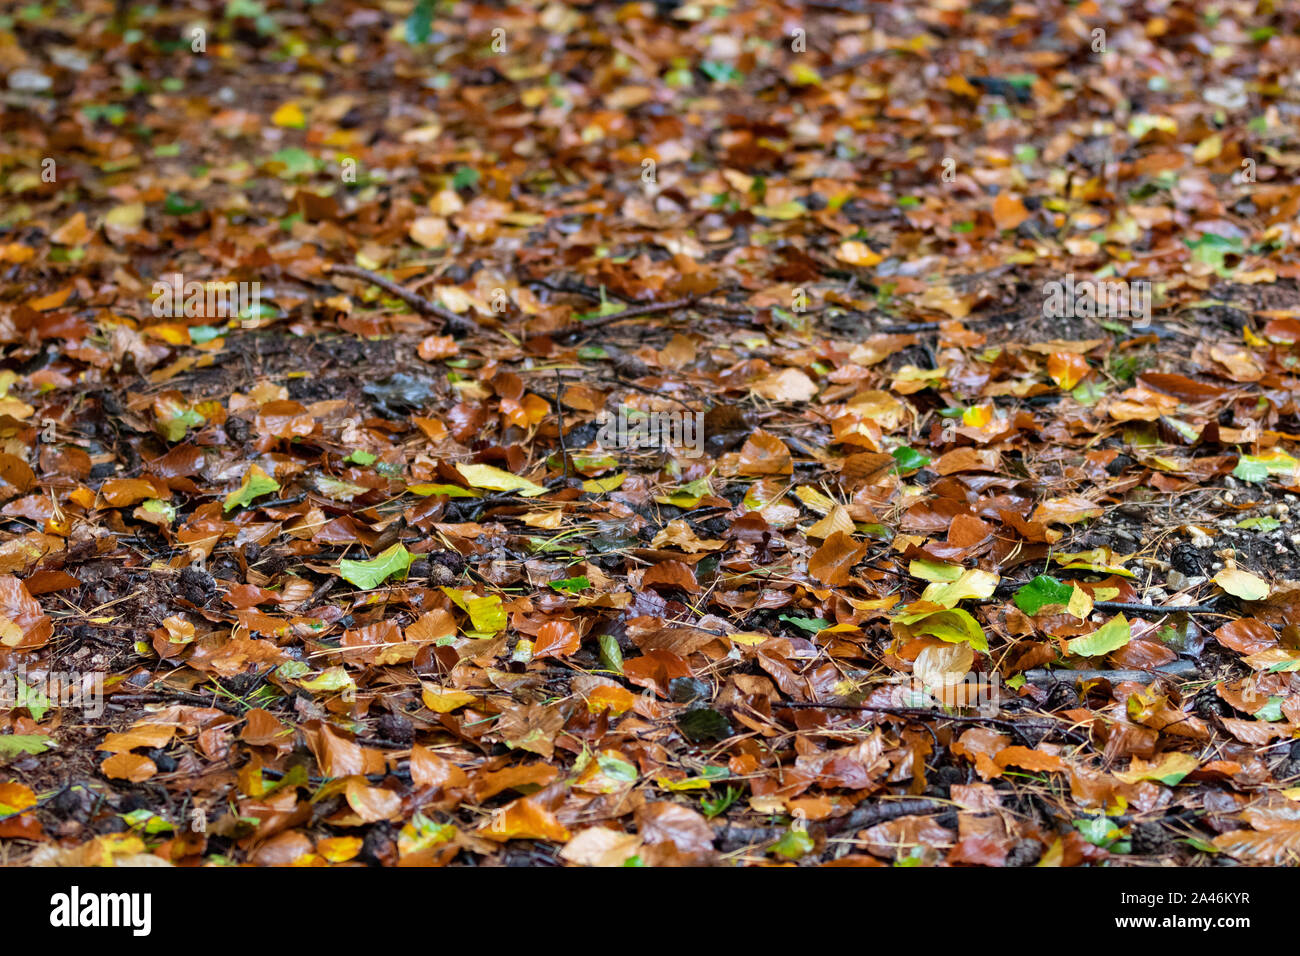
(362, 458)
(953, 625)
(611, 655)
(909, 459)
(716, 806)
(1260, 523)
(465, 177)
(485, 613)
(793, 845)
(1250, 470)
(1272, 711)
(33, 698)
(704, 724)
(370, 574)
(1256, 469)
(1212, 249)
(199, 334)
(1089, 392)
(572, 585)
(1040, 592)
(13, 745)
(419, 23)
(176, 205)
(721, 72)
(256, 483)
(1102, 831)
(810, 624)
(1111, 636)
(294, 162)
(616, 768)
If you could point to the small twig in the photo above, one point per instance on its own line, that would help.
(454, 322)
(634, 312)
(1172, 669)
(731, 837)
(171, 696)
(1154, 609)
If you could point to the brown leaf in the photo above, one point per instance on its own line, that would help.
(428, 769)
(24, 625)
(832, 563)
(765, 454)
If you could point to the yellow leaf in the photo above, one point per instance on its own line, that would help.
(598, 486)
(445, 702)
(10, 633)
(814, 499)
(494, 479)
(127, 217)
(857, 253)
(290, 115)
(1080, 603)
(1208, 149)
(790, 209)
(1241, 584)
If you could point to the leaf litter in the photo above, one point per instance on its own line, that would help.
(646, 447)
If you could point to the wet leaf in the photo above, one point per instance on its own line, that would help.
(370, 574)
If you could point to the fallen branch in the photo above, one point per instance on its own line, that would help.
(733, 838)
(920, 714)
(634, 312)
(1154, 609)
(1172, 669)
(454, 322)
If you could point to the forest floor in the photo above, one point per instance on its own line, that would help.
(650, 433)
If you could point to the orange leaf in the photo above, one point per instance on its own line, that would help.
(1008, 211)
(1067, 369)
(556, 639)
(525, 819)
(133, 767)
(1027, 759)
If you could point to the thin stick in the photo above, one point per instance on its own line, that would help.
(1154, 609)
(1175, 669)
(731, 837)
(455, 323)
(559, 412)
(919, 714)
(634, 312)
